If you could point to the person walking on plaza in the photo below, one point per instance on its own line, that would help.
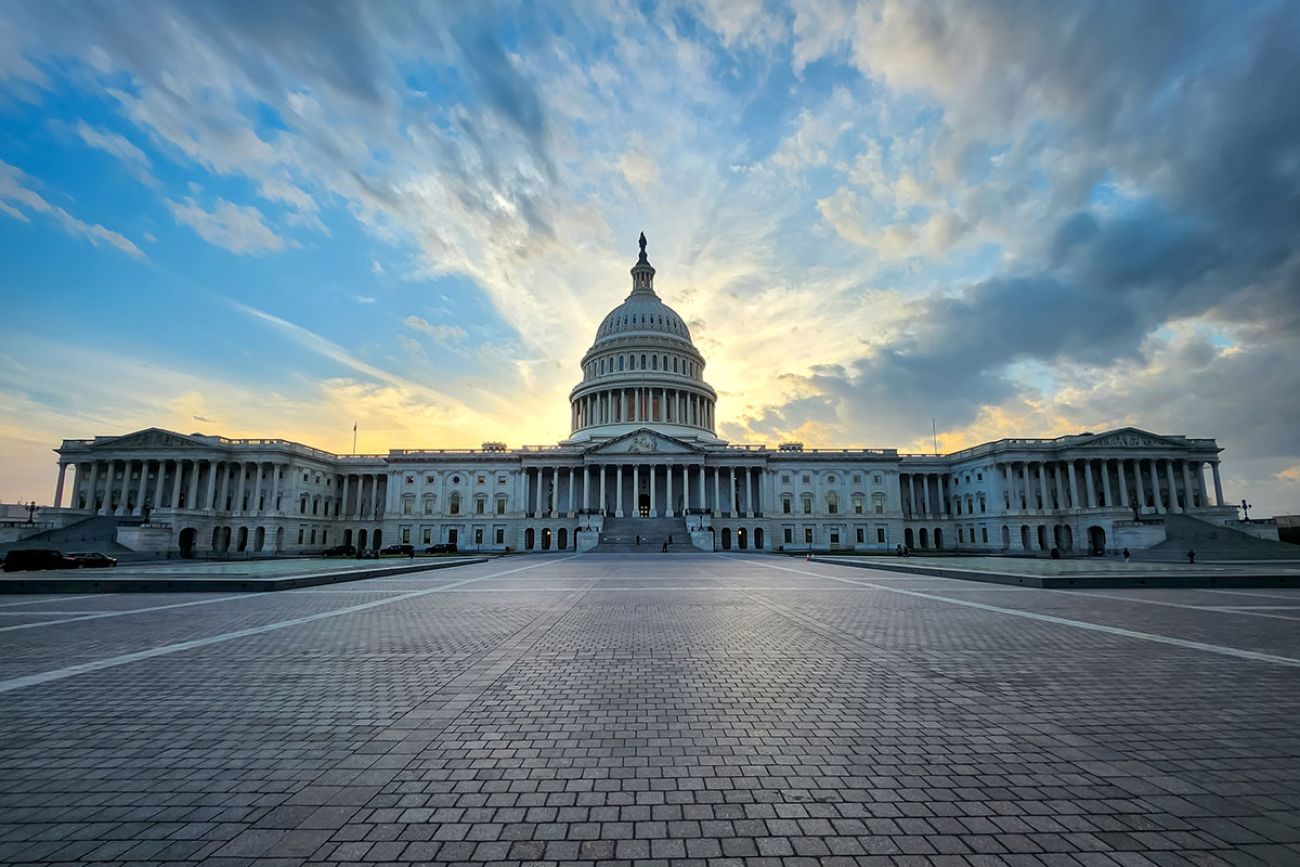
(1126, 555)
(1191, 556)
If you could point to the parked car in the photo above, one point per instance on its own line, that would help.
(94, 560)
(36, 559)
(340, 551)
(441, 548)
(403, 550)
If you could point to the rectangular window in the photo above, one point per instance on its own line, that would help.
(857, 478)
(478, 507)
(785, 505)
(880, 535)
(785, 479)
(807, 506)
(324, 537)
(857, 507)
(406, 535)
(880, 507)
(861, 535)
(428, 535)
(961, 535)
(501, 505)
(835, 537)
(807, 535)
(789, 535)
(478, 536)
(300, 533)
(501, 536)
(984, 534)
(876, 479)
(313, 535)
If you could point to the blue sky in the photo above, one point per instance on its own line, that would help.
(1019, 218)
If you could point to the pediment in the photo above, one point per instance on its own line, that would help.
(1130, 438)
(643, 442)
(152, 438)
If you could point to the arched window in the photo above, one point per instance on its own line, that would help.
(480, 505)
(428, 504)
(501, 505)
(665, 362)
(408, 504)
(878, 503)
(807, 504)
(654, 362)
(620, 362)
(833, 503)
(858, 504)
(643, 359)
(602, 365)
(785, 504)
(454, 503)
(674, 364)
(631, 362)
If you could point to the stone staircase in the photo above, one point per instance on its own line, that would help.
(619, 535)
(1213, 542)
(96, 533)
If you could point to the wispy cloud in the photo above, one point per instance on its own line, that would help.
(16, 197)
(240, 229)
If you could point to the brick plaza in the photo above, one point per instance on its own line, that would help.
(665, 709)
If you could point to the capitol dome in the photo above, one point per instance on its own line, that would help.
(642, 371)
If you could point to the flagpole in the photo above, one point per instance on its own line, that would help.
(354, 438)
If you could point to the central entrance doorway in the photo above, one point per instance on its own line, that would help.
(643, 505)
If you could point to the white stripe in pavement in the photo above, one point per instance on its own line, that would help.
(166, 649)
(104, 614)
(1063, 621)
(52, 598)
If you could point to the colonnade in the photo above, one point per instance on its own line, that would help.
(124, 486)
(1096, 483)
(642, 404)
(644, 490)
(924, 494)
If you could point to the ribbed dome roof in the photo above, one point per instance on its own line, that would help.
(643, 312)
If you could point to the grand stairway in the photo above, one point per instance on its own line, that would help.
(1213, 542)
(619, 535)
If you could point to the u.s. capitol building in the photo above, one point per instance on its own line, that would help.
(642, 462)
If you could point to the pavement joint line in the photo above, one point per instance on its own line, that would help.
(1089, 593)
(102, 615)
(1293, 597)
(167, 649)
(1065, 621)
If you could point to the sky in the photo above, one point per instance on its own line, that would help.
(1019, 218)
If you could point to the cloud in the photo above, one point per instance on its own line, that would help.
(135, 160)
(237, 228)
(441, 333)
(15, 195)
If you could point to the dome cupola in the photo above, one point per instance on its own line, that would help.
(643, 370)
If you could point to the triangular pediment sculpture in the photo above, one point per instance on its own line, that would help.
(1130, 438)
(152, 438)
(643, 442)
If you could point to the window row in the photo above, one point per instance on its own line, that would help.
(833, 503)
(454, 504)
(643, 361)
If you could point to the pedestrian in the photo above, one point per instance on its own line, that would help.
(638, 538)
(1191, 555)
(1126, 555)
(898, 550)
(664, 549)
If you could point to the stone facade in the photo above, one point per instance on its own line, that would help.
(643, 446)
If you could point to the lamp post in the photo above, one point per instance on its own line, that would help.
(31, 512)
(1245, 510)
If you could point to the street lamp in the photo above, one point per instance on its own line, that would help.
(31, 512)
(1245, 510)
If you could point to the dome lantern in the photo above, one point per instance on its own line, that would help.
(643, 273)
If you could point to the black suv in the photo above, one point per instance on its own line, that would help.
(441, 548)
(340, 551)
(404, 550)
(36, 559)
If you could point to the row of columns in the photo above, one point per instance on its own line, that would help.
(1028, 486)
(362, 499)
(924, 494)
(253, 487)
(692, 481)
(642, 404)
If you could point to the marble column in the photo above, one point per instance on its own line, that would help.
(618, 492)
(670, 509)
(92, 481)
(749, 496)
(1138, 489)
(210, 496)
(704, 503)
(717, 503)
(1105, 484)
(158, 484)
(1187, 487)
(141, 489)
(1155, 488)
(686, 489)
(1029, 490)
(257, 490)
(653, 473)
(177, 473)
(586, 486)
(572, 493)
(1042, 485)
(731, 492)
(1058, 473)
(58, 485)
(636, 486)
(1121, 474)
(1092, 484)
(1173, 491)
